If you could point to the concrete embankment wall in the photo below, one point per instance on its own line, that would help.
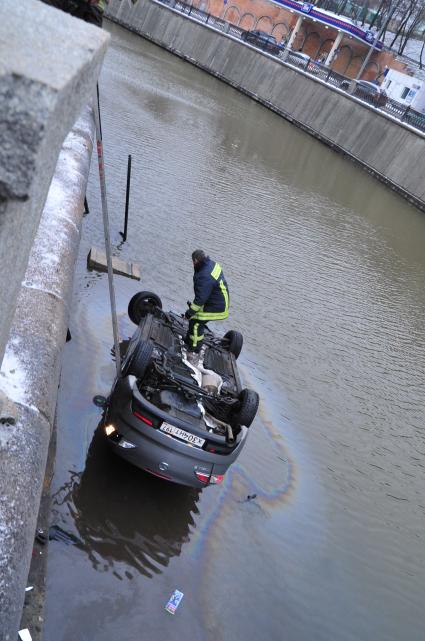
(49, 67)
(32, 363)
(391, 152)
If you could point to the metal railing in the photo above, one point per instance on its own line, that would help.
(377, 101)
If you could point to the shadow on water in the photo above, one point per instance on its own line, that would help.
(118, 511)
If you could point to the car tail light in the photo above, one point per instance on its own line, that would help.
(224, 451)
(203, 477)
(206, 478)
(216, 478)
(143, 418)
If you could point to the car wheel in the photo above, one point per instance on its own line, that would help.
(249, 401)
(137, 359)
(235, 342)
(141, 304)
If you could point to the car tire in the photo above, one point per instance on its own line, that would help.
(137, 359)
(235, 342)
(249, 401)
(141, 304)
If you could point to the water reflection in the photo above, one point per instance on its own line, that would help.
(327, 271)
(119, 511)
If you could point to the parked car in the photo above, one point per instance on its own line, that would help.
(368, 91)
(262, 40)
(302, 58)
(178, 420)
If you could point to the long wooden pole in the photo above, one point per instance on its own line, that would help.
(101, 164)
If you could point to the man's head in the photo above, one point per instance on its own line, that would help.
(198, 257)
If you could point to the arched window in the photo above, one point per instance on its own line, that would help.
(232, 14)
(354, 66)
(247, 21)
(325, 47)
(372, 71)
(342, 61)
(311, 44)
(280, 31)
(264, 23)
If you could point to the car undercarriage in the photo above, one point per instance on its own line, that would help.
(197, 400)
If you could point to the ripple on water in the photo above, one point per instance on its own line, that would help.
(326, 271)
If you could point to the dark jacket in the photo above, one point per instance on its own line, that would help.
(211, 291)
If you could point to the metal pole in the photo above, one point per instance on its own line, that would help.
(98, 110)
(100, 158)
(127, 198)
(375, 42)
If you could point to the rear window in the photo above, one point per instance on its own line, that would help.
(369, 87)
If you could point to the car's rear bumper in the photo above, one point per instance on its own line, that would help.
(157, 452)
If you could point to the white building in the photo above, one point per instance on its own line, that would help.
(407, 90)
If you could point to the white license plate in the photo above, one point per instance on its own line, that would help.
(184, 436)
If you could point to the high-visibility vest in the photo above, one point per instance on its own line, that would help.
(100, 4)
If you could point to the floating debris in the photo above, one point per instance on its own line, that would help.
(251, 497)
(99, 400)
(97, 260)
(41, 537)
(174, 601)
(29, 588)
(24, 635)
(56, 533)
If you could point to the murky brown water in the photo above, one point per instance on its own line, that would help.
(326, 269)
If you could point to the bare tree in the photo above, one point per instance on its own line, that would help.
(381, 11)
(422, 50)
(364, 12)
(409, 15)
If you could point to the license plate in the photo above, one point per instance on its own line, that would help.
(184, 436)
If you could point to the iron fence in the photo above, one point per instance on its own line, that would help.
(375, 100)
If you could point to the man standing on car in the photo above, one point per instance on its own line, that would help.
(211, 300)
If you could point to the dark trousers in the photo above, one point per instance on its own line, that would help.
(195, 335)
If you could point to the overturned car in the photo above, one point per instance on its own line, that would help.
(185, 421)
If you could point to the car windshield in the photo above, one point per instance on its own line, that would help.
(368, 85)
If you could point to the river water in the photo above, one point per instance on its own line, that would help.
(326, 269)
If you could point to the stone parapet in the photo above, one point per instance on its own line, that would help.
(31, 367)
(49, 65)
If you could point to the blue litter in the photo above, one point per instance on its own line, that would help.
(174, 601)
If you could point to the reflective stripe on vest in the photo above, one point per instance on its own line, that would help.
(195, 337)
(100, 4)
(201, 315)
(216, 271)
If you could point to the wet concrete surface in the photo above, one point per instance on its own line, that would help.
(35, 595)
(326, 270)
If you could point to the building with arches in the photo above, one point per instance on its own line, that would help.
(336, 41)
